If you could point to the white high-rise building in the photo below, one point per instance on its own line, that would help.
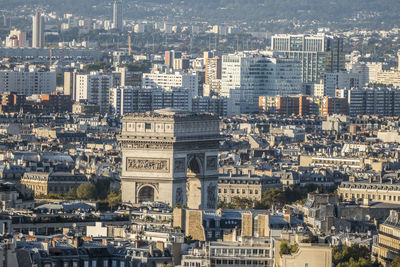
(15, 39)
(95, 88)
(126, 100)
(139, 28)
(368, 71)
(27, 82)
(37, 30)
(168, 81)
(117, 16)
(246, 76)
(338, 80)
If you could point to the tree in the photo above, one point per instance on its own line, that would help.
(354, 256)
(242, 203)
(142, 66)
(71, 194)
(226, 206)
(113, 199)
(395, 262)
(102, 188)
(86, 191)
(96, 66)
(284, 248)
(361, 262)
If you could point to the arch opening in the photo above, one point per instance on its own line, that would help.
(146, 193)
(194, 166)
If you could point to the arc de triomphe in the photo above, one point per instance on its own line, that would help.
(170, 156)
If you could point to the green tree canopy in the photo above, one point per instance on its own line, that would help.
(143, 66)
(86, 191)
(113, 198)
(395, 262)
(354, 256)
(96, 66)
(102, 188)
(71, 193)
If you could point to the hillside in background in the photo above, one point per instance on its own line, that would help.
(374, 13)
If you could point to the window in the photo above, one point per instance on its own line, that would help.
(147, 126)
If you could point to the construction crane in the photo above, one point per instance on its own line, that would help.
(51, 47)
(130, 43)
(51, 57)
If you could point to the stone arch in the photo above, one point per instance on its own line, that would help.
(146, 193)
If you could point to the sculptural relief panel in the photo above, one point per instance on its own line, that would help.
(147, 165)
(212, 163)
(179, 165)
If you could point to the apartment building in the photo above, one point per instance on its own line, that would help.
(247, 76)
(318, 53)
(27, 82)
(388, 246)
(95, 89)
(244, 186)
(124, 100)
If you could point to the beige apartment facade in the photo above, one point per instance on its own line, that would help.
(374, 191)
(245, 186)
